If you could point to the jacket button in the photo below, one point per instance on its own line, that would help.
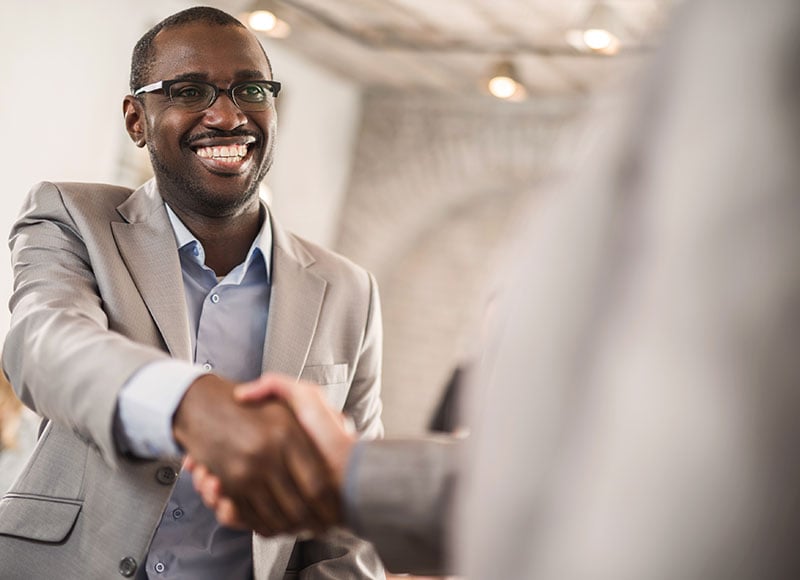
(127, 566)
(165, 475)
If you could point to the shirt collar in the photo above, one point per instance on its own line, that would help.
(186, 239)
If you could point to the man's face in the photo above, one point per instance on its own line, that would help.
(196, 155)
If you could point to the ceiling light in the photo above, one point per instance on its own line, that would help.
(505, 83)
(262, 20)
(599, 32)
(267, 23)
(598, 39)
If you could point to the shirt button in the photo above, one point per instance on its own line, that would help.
(215, 298)
(160, 567)
(165, 475)
(177, 513)
(127, 566)
(207, 367)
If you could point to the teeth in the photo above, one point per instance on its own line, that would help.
(228, 152)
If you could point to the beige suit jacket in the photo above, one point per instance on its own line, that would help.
(98, 294)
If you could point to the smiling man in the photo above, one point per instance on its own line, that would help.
(136, 313)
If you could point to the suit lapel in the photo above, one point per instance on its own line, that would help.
(147, 245)
(295, 305)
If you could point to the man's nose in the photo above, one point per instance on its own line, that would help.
(224, 114)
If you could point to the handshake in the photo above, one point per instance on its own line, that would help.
(269, 455)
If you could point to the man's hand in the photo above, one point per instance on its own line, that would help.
(326, 427)
(273, 476)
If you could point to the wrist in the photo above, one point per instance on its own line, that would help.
(203, 397)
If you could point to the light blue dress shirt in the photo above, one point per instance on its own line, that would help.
(228, 319)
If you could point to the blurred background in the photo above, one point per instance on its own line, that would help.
(412, 133)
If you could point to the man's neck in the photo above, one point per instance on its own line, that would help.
(225, 240)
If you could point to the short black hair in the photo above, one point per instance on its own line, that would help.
(144, 52)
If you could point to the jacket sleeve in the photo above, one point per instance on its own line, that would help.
(398, 495)
(363, 404)
(59, 354)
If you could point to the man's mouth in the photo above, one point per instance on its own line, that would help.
(224, 152)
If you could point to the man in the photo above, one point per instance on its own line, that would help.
(116, 291)
(639, 418)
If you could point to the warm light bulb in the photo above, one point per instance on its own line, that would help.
(262, 20)
(598, 39)
(503, 87)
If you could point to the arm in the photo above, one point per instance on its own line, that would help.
(398, 495)
(363, 404)
(59, 354)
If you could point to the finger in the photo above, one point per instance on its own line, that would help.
(268, 385)
(287, 503)
(328, 432)
(199, 475)
(260, 493)
(290, 501)
(321, 422)
(325, 426)
(317, 418)
(316, 483)
(189, 463)
(305, 487)
(211, 491)
(261, 512)
(227, 514)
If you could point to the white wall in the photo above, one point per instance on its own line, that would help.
(63, 77)
(64, 73)
(318, 121)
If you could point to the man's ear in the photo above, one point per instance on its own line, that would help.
(134, 120)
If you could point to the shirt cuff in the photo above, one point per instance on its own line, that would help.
(147, 404)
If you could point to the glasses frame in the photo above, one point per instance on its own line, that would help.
(274, 88)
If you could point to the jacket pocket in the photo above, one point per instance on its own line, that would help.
(325, 374)
(333, 381)
(43, 519)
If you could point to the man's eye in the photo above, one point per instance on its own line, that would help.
(251, 92)
(186, 92)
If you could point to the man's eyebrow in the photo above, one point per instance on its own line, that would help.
(191, 76)
(250, 74)
(245, 74)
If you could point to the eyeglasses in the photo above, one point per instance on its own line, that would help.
(196, 96)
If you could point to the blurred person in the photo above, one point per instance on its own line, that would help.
(637, 417)
(119, 292)
(18, 429)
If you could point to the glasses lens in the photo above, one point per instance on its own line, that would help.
(191, 95)
(252, 96)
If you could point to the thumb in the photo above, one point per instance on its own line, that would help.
(265, 386)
